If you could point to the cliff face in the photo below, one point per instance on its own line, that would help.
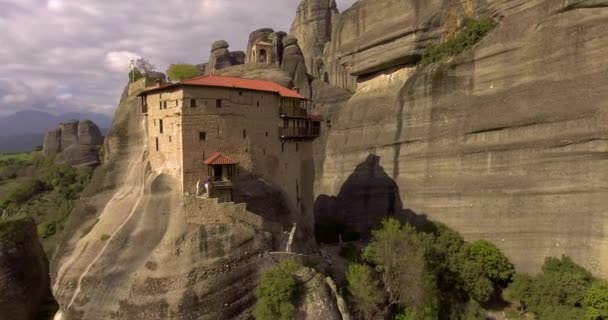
(506, 142)
(24, 280)
(130, 252)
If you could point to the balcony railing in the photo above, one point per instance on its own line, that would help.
(299, 133)
(222, 184)
(293, 112)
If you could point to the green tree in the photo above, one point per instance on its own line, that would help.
(363, 288)
(559, 290)
(596, 301)
(182, 71)
(277, 292)
(398, 255)
(135, 75)
(482, 266)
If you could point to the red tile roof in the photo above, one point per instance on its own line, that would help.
(241, 83)
(218, 159)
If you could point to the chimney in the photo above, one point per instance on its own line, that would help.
(296, 89)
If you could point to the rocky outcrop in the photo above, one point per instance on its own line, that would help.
(258, 71)
(24, 278)
(74, 142)
(507, 142)
(221, 57)
(294, 64)
(318, 302)
(313, 28)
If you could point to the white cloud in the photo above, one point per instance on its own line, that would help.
(55, 5)
(87, 45)
(119, 61)
(14, 98)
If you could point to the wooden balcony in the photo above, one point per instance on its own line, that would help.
(222, 184)
(292, 133)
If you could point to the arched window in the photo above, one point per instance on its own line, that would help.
(263, 56)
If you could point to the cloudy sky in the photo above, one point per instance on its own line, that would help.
(73, 55)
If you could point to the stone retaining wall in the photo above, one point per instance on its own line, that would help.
(208, 211)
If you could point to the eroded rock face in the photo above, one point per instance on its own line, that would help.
(24, 279)
(313, 28)
(294, 64)
(507, 142)
(221, 57)
(74, 143)
(318, 302)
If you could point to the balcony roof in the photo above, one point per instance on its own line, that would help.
(218, 159)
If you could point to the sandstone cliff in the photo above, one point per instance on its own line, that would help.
(506, 142)
(24, 279)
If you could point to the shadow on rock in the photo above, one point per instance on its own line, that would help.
(367, 197)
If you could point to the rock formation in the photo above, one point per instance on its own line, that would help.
(294, 64)
(24, 276)
(318, 302)
(507, 142)
(221, 57)
(313, 29)
(74, 142)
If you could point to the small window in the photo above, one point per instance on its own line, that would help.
(160, 125)
(164, 104)
(244, 134)
(192, 103)
(282, 147)
(156, 144)
(218, 103)
(170, 139)
(258, 103)
(297, 147)
(267, 133)
(176, 103)
(202, 136)
(240, 93)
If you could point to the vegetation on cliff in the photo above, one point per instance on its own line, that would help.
(426, 275)
(182, 71)
(277, 292)
(564, 290)
(32, 185)
(470, 32)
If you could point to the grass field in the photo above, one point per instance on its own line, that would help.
(16, 156)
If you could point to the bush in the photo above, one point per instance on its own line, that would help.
(596, 301)
(470, 33)
(560, 289)
(364, 292)
(105, 237)
(277, 292)
(182, 71)
(23, 191)
(47, 229)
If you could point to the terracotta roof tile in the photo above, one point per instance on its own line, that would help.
(241, 83)
(217, 159)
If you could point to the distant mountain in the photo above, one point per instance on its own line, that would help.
(33, 122)
(24, 130)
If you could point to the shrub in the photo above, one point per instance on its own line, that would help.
(470, 33)
(364, 292)
(47, 229)
(182, 71)
(560, 289)
(277, 292)
(105, 237)
(596, 301)
(24, 190)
